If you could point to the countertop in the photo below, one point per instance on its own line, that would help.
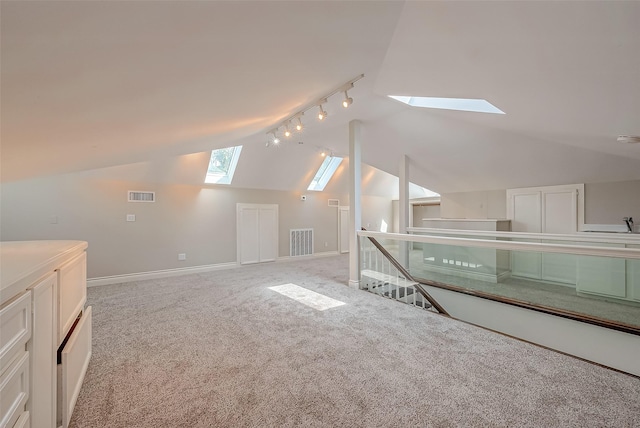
(24, 262)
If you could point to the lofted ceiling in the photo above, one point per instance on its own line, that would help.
(89, 85)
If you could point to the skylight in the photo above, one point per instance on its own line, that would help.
(222, 165)
(325, 172)
(462, 104)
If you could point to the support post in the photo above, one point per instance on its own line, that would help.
(403, 209)
(355, 213)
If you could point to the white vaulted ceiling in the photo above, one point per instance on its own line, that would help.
(86, 85)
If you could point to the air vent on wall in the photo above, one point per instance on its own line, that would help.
(141, 196)
(334, 202)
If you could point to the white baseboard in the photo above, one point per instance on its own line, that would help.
(310, 256)
(165, 273)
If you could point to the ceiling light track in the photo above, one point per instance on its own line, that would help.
(322, 113)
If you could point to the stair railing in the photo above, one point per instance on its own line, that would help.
(417, 285)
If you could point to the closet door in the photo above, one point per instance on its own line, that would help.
(257, 233)
(248, 234)
(268, 233)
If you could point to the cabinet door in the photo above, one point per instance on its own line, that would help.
(526, 216)
(633, 276)
(42, 347)
(605, 276)
(72, 294)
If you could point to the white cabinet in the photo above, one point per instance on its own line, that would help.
(42, 293)
(42, 347)
(633, 276)
(551, 209)
(72, 293)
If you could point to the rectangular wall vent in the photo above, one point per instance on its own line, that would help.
(301, 242)
(141, 196)
(334, 202)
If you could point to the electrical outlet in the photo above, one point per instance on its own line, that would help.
(182, 256)
(53, 219)
(326, 244)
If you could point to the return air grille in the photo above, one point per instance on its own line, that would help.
(141, 196)
(301, 242)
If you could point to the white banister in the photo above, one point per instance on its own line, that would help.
(627, 253)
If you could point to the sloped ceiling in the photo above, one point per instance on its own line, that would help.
(88, 85)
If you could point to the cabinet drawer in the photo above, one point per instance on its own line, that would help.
(72, 293)
(24, 421)
(74, 362)
(14, 390)
(15, 324)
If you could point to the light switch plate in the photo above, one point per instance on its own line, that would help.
(131, 217)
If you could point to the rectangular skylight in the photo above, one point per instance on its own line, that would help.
(325, 172)
(222, 165)
(462, 104)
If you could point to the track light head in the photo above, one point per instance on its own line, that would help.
(276, 140)
(321, 114)
(299, 125)
(347, 100)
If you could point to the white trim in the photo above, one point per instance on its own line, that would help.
(627, 253)
(630, 238)
(164, 273)
(307, 256)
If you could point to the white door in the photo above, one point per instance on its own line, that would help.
(257, 233)
(268, 232)
(526, 216)
(343, 229)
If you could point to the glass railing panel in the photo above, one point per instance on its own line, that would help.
(606, 288)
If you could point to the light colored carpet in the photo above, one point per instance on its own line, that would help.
(223, 350)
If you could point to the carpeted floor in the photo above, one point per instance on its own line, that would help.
(223, 350)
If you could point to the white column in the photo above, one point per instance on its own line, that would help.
(355, 210)
(403, 208)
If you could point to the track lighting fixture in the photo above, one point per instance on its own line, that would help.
(347, 99)
(322, 113)
(276, 140)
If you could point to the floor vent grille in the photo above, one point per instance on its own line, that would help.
(301, 242)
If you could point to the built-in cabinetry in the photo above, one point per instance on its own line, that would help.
(549, 209)
(42, 315)
(485, 264)
(610, 277)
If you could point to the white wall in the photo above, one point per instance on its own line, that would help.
(197, 220)
(605, 203)
(608, 203)
(482, 204)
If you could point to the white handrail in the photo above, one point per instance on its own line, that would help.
(618, 238)
(626, 253)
